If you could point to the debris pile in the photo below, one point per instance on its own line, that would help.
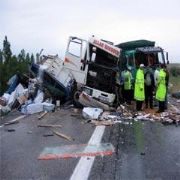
(46, 87)
(36, 92)
(124, 115)
(176, 95)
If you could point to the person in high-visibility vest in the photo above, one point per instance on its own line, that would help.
(139, 94)
(161, 89)
(127, 85)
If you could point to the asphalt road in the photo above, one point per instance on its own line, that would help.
(143, 150)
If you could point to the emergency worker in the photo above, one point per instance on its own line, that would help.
(149, 87)
(127, 85)
(139, 94)
(161, 89)
(156, 75)
(167, 82)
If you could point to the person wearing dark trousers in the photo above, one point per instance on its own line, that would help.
(139, 105)
(167, 83)
(161, 89)
(149, 87)
(127, 85)
(161, 106)
(139, 94)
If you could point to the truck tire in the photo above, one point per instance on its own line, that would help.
(76, 99)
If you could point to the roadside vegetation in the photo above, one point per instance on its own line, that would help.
(10, 64)
(174, 70)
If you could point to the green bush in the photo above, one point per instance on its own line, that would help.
(175, 71)
(10, 64)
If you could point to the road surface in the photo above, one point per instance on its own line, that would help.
(143, 150)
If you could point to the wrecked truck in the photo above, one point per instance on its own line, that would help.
(139, 52)
(89, 66)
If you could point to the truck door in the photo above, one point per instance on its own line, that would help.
(75, 54)
(75, 61)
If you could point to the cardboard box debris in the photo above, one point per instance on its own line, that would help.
(91, 113)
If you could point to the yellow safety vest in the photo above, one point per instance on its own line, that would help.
(139, 94)
(127, 80)
(161, 89)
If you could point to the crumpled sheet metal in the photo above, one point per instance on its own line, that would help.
(88, 101)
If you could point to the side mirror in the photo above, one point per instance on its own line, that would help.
(166, 56)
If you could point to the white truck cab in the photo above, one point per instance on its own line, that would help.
(92, 64)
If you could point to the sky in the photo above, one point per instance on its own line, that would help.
(46, 24)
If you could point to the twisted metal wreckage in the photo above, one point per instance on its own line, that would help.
(86, 77)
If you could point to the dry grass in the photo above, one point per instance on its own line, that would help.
(175, 81)
(173, 65)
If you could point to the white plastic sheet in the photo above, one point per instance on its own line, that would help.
(6, 96)
(15, 94)
(40, 97)
(48, 106)
(91, 113)
(32, 108)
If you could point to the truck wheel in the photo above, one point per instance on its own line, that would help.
(76, 99)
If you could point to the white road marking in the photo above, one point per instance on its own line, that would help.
(83, 168)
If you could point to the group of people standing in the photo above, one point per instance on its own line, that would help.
(147, 82)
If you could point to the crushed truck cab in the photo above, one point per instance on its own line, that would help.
(89, 66)
(93, 64)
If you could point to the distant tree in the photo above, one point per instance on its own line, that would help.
(22, 56)
(5, 68)
(32, 58)
(37, 57)
(28, 59)
(175, 71)
(7, 49)
(14, 66)
(10, 64)
(1, 56)
(1, 67)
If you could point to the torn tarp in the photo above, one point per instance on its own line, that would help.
(37, 107)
